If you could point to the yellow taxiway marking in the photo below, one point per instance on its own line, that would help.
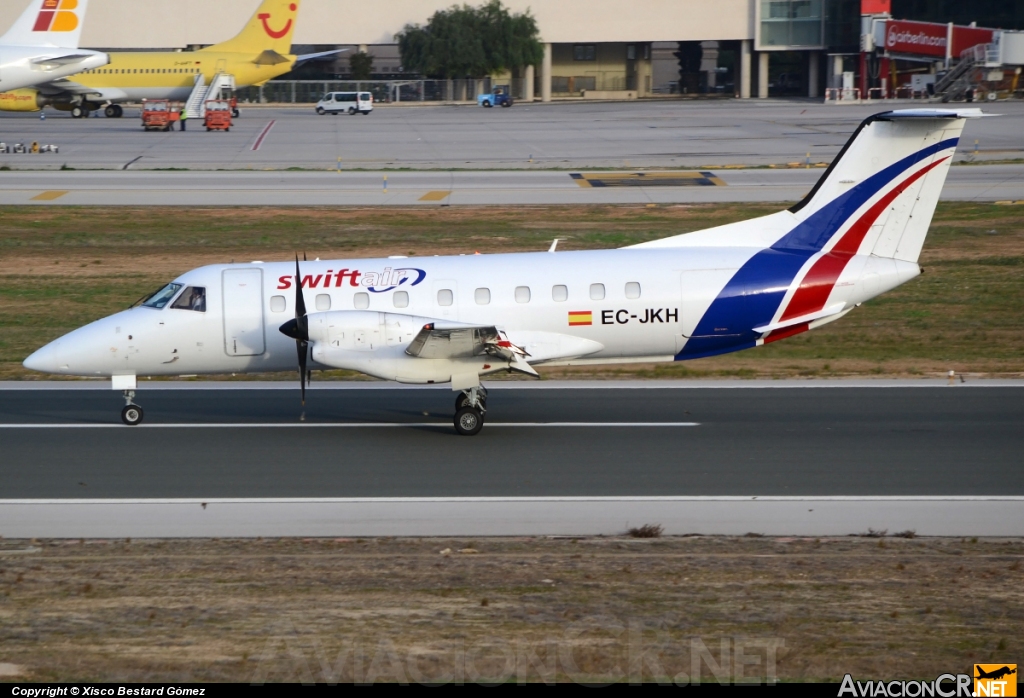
(646, 179)
(1019, 202)
(48, 195)
(435, 196)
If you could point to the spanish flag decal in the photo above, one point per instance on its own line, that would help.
(580, 317)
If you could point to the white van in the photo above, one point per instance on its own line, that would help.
(352, 102)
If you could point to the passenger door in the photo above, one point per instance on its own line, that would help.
(243, 312)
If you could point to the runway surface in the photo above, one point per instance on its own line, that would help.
(104, 188)
(558, 441)
(564, 135)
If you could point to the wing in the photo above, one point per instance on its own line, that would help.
(70, 88)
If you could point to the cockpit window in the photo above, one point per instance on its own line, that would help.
(162, 297)
(192, 298)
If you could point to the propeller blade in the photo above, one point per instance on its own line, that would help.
(302, 350)
(300, 302)
(298, 329)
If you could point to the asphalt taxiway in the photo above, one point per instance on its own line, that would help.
(539, 441)
(408, 188)
(647, 133)
(772, 457)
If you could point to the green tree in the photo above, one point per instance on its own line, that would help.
(465, 42)
(360, 65)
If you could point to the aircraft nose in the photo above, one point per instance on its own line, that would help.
(45, 360)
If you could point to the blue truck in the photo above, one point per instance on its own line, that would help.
(498, 96)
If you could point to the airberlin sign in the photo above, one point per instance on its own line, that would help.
(929, 39)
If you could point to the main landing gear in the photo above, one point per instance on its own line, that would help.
(131, 414)
(470, 408)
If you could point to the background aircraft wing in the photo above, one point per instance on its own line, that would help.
(65, 88)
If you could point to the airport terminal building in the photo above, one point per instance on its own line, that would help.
(746, 48)
(588, 44)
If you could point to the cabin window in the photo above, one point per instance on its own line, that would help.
(522, 294)
(401, 299)
(192, 298)
(278, 304)
(361, 301)
(445, 296)
(597, 292)
(559, 293)
(323, 301)
(482, 296)
(632, 290)
(162, 297)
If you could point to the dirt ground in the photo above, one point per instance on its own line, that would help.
(523, 609)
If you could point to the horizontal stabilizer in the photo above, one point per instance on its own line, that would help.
(306, 57)
(66, 59)
(810, 317)
(269, 57)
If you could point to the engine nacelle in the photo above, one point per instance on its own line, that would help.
(375, 343)
(25, 99)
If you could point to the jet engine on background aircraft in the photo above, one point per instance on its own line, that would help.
(25, 99)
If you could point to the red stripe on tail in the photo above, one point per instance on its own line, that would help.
(818, 283)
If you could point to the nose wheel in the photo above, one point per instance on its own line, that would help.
(470, 408)
(131, 414)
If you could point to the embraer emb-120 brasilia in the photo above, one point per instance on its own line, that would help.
(857, 234)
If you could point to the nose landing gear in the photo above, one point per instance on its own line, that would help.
(131, 414)
(470, 408)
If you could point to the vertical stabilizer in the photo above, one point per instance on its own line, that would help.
(269, 29)
(879, 194)
(48, 23)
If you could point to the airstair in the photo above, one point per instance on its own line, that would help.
(195, 107)
(964, 76)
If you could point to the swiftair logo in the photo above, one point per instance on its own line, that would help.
(995, 680)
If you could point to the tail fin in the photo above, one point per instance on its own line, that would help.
(48, 22)
(269, 29)
(879, 194)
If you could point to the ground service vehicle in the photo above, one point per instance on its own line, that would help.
(156, 115)
(499, 96)
(351, 102)
(218, 115)
(453, 319)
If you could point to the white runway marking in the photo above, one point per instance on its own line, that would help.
(348, 425)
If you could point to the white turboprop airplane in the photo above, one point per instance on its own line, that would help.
(857, 234)
(42, 45)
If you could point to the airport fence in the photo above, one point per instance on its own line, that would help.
(310, 91)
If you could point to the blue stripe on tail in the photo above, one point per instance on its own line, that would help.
(754, 293)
